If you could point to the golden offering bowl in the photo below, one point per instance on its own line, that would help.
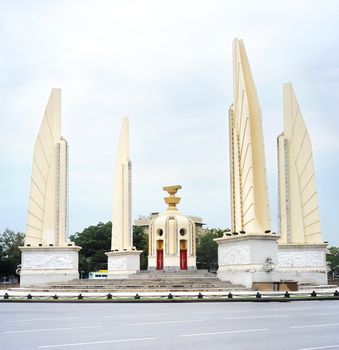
(172, 201)
(172, 190)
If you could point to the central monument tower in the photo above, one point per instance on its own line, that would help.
(172, 238)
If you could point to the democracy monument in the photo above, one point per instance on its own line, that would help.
(251, 254)
(172, 238)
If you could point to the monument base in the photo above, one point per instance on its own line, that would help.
(172, 263)
(121, 264)
(305, 263)
(41, 265)
(248, 259)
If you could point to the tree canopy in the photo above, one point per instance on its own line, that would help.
(95, 241)
(333, 258)
(207, 249)
(10, 255)
(140, 241)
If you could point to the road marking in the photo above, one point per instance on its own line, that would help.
(224, 332)
(290, 309)
(317, 325)
(45, 319)
(162, 322)
(322, 313)
(249, 311)
(95, 342)
(143, 315)
(322, 347)
(222, 312)
(50, 329)
(254, 317)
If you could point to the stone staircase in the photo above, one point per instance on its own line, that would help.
(308, 286)
(183, 281)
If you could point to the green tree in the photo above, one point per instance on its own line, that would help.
(207, 249)
(10, 255)
(333, 258)
(95, 241)
(140, 241)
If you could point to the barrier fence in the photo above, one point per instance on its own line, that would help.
(141, 297)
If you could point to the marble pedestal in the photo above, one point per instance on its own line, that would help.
(304, 263)
(248, 259)
(42, 265)
(121, 264)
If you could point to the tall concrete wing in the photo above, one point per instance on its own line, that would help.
(298, 204)
(123, 259)
(249, 194)
(48, 198)
(48, 255)
(122, 238)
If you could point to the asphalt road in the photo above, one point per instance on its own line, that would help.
(242, 326)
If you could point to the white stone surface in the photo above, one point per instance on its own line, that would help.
(48, 264)
(234, 254)
(301, 258)
(122, 264)
(303, 263)
(242, 259)
(246, 277)
(48, 260)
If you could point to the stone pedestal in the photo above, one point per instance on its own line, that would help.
(42, 265)
(305, 263)
(122, 264)
(248, 259)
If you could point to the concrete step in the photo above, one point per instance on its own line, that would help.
(176, 274)
(165, 278)
(138, 283)
(305, 286)
(133, 290)
(199, 280)
(194, 287)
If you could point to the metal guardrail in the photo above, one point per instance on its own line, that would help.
(70, 297)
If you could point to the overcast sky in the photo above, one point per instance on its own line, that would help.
(167, 65)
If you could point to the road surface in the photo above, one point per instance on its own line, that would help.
(241, 326)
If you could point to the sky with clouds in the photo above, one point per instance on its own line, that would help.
(168, 66)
